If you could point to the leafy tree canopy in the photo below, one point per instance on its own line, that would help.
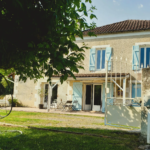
(5, 73)
(37, 37)
(6, 87)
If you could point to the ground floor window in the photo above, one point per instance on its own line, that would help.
(88, 94)
(54, 94)
(46, 93)
(97, 94)
(136, 91)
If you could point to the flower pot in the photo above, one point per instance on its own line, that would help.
(40, 106)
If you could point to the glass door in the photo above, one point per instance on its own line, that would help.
(88, 97)
(97, 92)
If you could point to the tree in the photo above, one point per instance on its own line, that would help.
(37, 37)
(6, 87)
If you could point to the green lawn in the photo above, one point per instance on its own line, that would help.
(95, 136)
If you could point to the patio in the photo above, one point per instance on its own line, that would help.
(84, 113)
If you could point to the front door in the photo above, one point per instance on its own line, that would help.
(97, 97)
(88, 97)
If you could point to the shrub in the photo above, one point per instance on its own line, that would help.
(15, 103)
(2, 96)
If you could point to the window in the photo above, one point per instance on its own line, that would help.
(144, 57)
(46, 93)
(88, 94)
(136, 90)
(54, 94)
(97, 94)
(97, 58)
(100, 59)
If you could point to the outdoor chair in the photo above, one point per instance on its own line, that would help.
(68, 105)
(54, 104)
(60, 105)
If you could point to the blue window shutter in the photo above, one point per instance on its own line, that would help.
(135, 57)
(92, 59)
(108, 56)
(77, 95)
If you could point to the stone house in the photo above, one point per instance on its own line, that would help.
(128, 41)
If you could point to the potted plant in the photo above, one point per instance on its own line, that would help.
(42, 94)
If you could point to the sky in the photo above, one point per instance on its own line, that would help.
(111, 11)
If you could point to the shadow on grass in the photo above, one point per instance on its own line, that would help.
(33, 139)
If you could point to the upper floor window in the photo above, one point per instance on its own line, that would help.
(140, 57)
(144, 57)
(100, 59)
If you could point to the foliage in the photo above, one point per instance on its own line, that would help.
(38, 37)
(15, 103)
(6, 87)
(6, 72)
(2, 96)
(42, 93)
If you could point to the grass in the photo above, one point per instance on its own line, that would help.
(49, 119)
(34, 139)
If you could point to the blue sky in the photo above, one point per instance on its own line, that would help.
(111, 11)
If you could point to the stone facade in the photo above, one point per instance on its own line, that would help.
(121, 47)
(25, 92)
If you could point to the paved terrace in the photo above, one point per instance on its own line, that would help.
(88, 113)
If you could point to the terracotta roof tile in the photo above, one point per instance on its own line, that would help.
(123, 26)
(97, 75)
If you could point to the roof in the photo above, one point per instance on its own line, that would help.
(123, 26)
(96, 75)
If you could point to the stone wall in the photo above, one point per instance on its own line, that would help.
(145, 95)
(25, 92)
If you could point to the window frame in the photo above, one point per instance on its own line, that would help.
(100, 49)
(135, 104)
(45, 93)
(138, 83)
(145, 47)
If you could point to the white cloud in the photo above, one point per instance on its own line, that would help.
(141, 6)
(117, 2)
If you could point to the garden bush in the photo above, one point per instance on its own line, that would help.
(2, 96)
(15, 103)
